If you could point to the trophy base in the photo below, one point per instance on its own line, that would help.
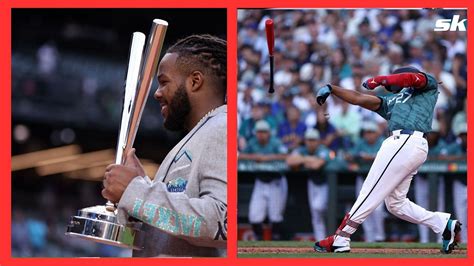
(100, 225)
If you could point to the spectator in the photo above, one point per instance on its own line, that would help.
(37, 231)
(447, 86)
(246, 128)
(291, 131)
(20, 238)
(328, 133)
(459, 70)
(348, 124)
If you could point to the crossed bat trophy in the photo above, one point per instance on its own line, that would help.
(99, 223)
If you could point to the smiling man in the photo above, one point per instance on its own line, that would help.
(184, 208)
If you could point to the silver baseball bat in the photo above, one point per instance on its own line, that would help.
(138, 84)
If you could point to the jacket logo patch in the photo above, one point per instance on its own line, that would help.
(184, 153)
(177, 185)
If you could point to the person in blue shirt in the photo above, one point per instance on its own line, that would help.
(291, 131)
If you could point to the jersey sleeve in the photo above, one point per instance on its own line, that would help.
(454, 149)
(202, 220)
(249, 148)
(299, 151)
(354, 151)
(278, 147)
(431, 83)
(383, 110)
(324, 153)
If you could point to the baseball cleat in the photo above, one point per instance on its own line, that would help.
(327, 245)
(450, 236)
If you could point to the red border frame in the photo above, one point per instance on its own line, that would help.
(231, 5)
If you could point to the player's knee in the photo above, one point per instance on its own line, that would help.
(320, 208)
(394, 206)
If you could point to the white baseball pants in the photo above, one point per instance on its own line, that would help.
(268, 198)
(318, 204)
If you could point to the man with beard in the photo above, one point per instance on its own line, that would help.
(184, 208)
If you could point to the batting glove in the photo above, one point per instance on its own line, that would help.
(371, 84)
(323, 94)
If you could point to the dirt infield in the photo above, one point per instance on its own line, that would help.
(297, 250)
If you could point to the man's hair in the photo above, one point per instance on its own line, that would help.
(204, 52)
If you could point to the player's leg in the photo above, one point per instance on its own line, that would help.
(369, 223)
(421, 198)
(442, 200)
(318, 199)
(460, 206)
(278, 193)
(258, 208)
(379, 223)
(399, 205)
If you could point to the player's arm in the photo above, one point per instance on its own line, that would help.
(294, 160)
(402, 80)
(250, 156)
(313, 162)
(274, 157)
(262, 157)
(353, 97)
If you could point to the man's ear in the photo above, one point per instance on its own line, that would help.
(196, 80)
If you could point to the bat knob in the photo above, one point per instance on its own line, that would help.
(271, 90)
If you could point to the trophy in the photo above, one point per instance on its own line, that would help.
(99, 223)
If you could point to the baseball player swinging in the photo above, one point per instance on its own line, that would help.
(409, 112)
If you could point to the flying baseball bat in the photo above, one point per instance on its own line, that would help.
(271, 44)
(137, 87)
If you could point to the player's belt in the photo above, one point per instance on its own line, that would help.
(408, 132)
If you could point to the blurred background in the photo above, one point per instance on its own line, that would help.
(68, 76)
(314, 47)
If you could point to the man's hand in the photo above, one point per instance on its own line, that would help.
(371, 84)
(323, 94)
(117, 177)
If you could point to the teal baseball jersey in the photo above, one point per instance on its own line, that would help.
(362, 146)
(441, 148)
(410, 108)
(321, 152)
(274, 146)
(455, 149)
